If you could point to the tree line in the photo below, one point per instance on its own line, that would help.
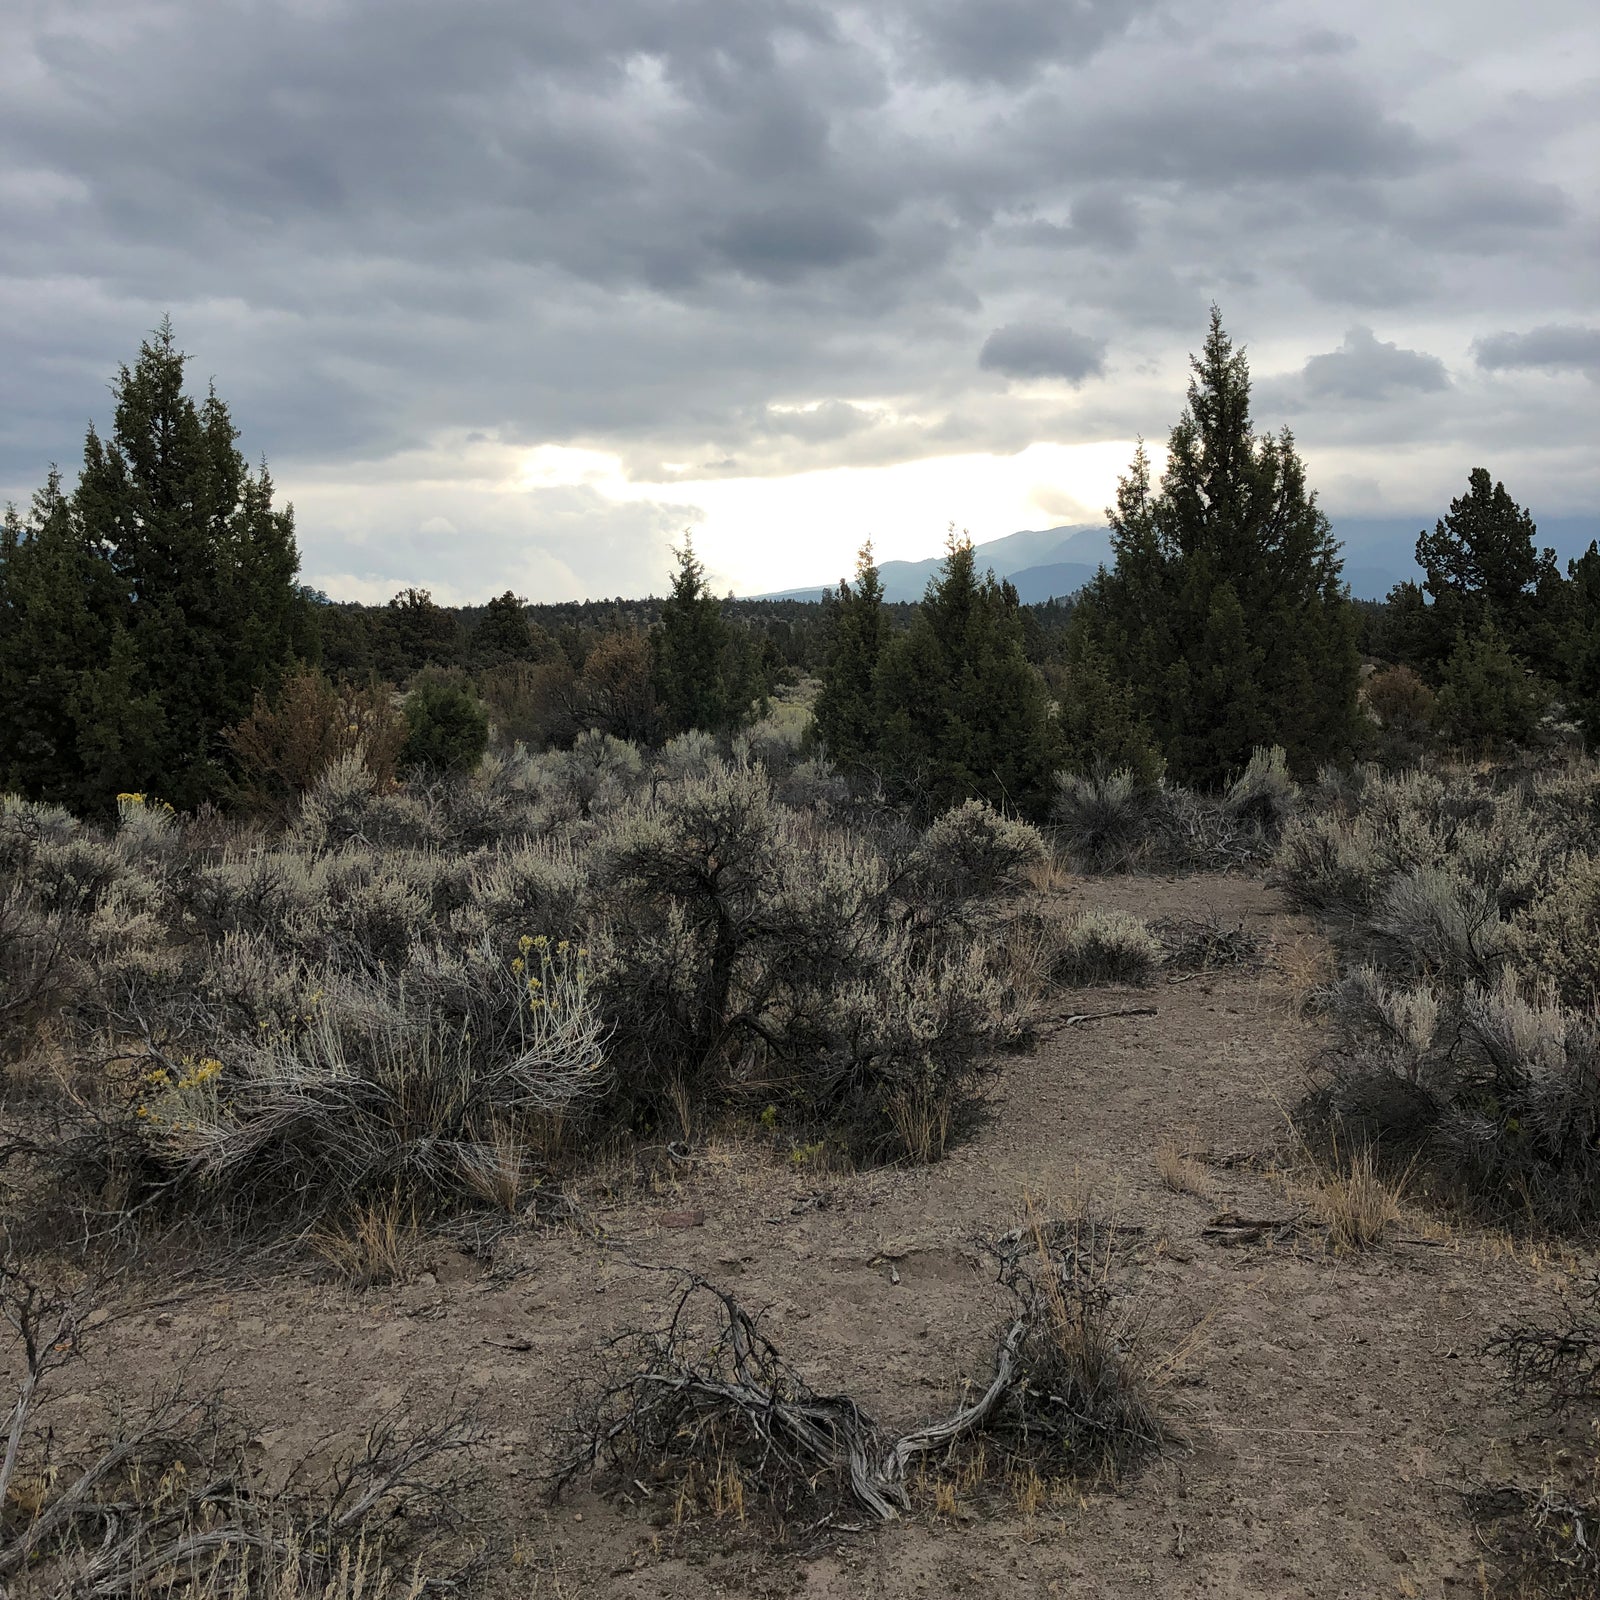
(153, 636)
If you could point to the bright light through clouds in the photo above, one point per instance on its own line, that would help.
(767, 534)
(512, 294)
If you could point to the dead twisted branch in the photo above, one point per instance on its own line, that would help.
(709, 1401)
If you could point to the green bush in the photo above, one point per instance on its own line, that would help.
(447, 727)
(1487, 702)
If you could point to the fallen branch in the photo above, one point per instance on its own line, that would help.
(1231, 1228)
(722, 1408)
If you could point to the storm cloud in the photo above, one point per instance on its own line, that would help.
(417, 246)
(1365, 367)
(1043, 350)
(1554, 348)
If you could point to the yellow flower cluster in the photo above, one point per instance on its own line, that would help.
(198, 1075)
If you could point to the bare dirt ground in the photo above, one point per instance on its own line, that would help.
(1330, 1411)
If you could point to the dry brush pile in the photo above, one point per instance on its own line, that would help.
(439, 992)
(704, 1415)
(1466, 908)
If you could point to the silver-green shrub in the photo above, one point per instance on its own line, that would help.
(1104, 946)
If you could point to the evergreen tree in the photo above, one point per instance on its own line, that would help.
(846, 710)
(961, 710)
(1482, 568)
(67, 676)
(1225, 613)
(1486, 702)
(1580, 644)
(1101, 730)
(704, 671)
(417, 632)
(150, 608)
(502, 632)
(447, 725)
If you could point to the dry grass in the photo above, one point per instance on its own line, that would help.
(1179, 1171)
(1309, 967)
(378, 1244)
(922, 1118)
(1354, 1196)
(1049, 876)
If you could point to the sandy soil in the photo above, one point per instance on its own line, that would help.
(1330, 1412)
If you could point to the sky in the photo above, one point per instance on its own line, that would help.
(511, 295)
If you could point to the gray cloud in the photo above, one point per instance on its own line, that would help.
(1010, 41)
(1555, 347)
(1043, 350)
(774, 234)
(1365, 367)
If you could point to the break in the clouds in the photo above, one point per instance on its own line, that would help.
(510, 294)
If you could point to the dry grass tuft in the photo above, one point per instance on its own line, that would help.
(1179, 1171)
(378, 1244)
(1355, 1198)
(1309, 968)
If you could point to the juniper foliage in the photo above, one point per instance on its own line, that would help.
(1225, 612)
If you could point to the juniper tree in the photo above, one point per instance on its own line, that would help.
(150, 607)
(962, 711)
(502, 632)
(846, 711)
(75, 718)
(704, 672)
(1483, 569)
(416, 632)
(1487, 700)
(1580, 643)
(1225, 613)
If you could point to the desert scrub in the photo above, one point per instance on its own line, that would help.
(1107, 821)
(1104, 818)
(1558, 935)
(973, 851)
(1467, 907)
(771, 960)
(361, 976)
(407, 1089)
(1496, 1095)
(1101, 946)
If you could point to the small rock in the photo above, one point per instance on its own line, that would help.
(682, 1219)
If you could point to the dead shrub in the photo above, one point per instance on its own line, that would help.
(1206, 944)
(284, 747)
(1544, 1537)
(708, 1409)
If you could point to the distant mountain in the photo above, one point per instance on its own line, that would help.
(1379, 552)
(1068, 555)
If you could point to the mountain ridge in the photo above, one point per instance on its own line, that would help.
(1049, 563)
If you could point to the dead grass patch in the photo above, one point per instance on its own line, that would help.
(1178, 1169)
(376, 1245)
(1309, 966)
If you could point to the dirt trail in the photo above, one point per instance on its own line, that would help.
(1331, 1410)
